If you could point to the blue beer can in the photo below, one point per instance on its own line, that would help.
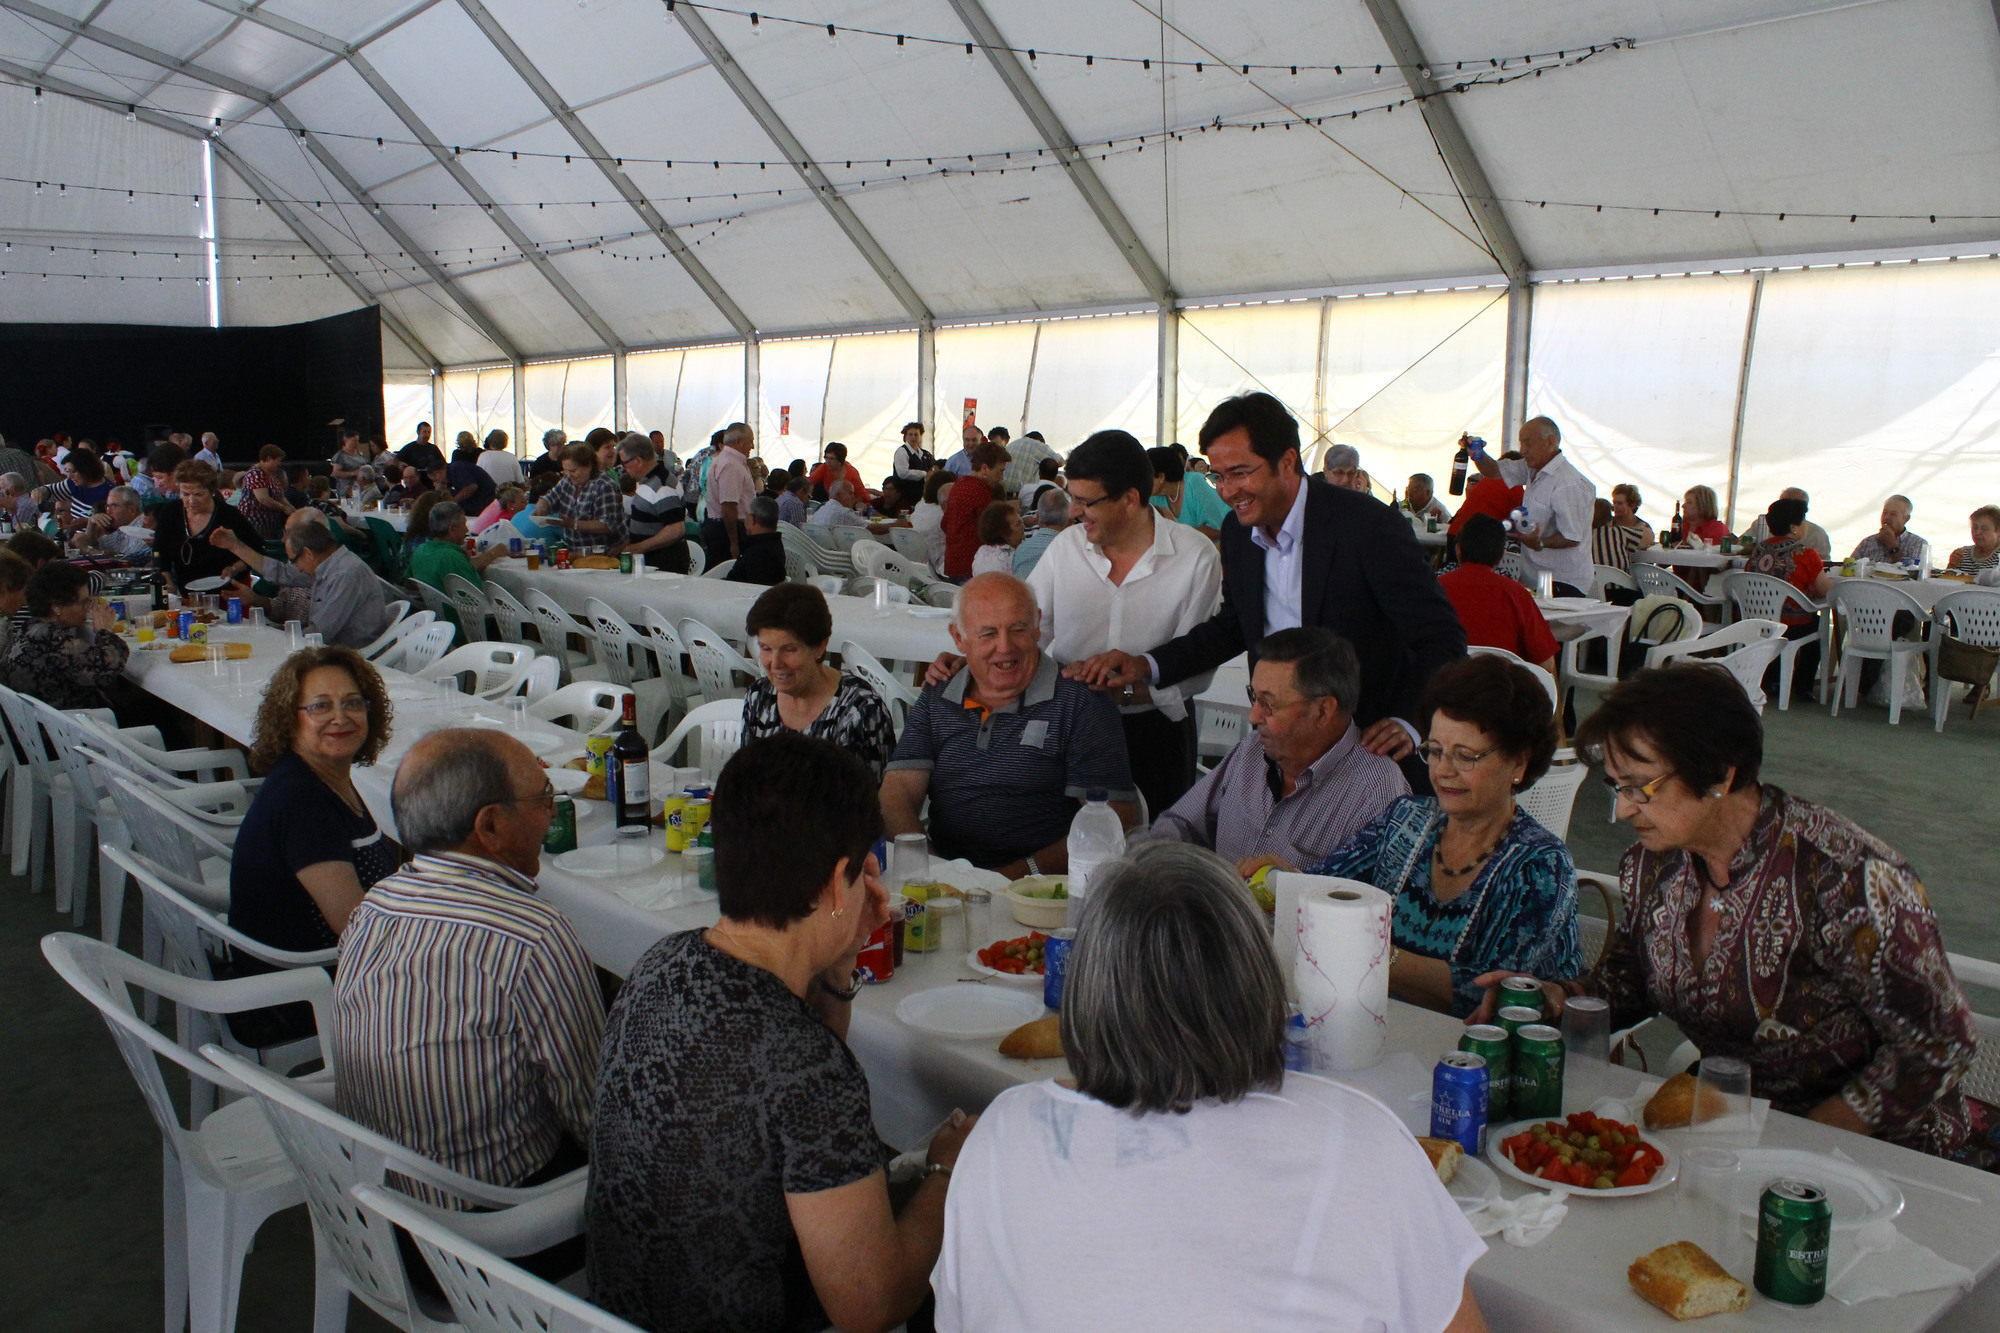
(514, 545)
(186, 626)
(235, 611)
(1458, 1100)
(1055, 966)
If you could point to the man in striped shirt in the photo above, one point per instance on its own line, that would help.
(467, 1016)
(1301, 785)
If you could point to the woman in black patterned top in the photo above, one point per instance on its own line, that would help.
(736, 1179)
(800, 692)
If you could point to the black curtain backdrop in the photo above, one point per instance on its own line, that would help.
(251, 386)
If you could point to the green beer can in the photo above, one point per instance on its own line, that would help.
(1794, 1225)
(1513, 1018)
(1538, 1073)
(1523, 993)
(1492, 1043)
(561, 836)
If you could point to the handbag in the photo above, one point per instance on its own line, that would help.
(1968, 663)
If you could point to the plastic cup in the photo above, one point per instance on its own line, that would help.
(700, 862)
(881, 594)
(256, 617)
(295, 635)
(1705, 1203)
(909, 860)
(1586, 1028)
(315, 641)
(1725, 1080)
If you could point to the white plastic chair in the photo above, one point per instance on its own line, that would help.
(1218, 730)
(434, 599)
(899, 695)
(697, 559)
(1972, 615)
(1656, 580)
(830, 585)
(717, 726)
(544, 675)
(1553, 797)
(1761, 597)
(592, 707)
(405, 624)
(1546, 681)
(941, 594)
(513, 619)
(1747, 650)
(497, 669)
(1681, 621)
(556, 627)
(629, 659)
(797, 568)
(799, 554)
(669, 652)
(222, 1173)
(716, 664)
(1869, 610)
(1603, 577)
(470, 602)
(865, 553)
(487, 1293)
(910, 544)
(720, 571)
(1982, 1080)
(357, 1253)
(418, 650)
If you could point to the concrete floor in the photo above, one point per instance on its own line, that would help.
(80, 1215)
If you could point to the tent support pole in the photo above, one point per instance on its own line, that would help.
(1514, 389)
(1320, 426)
(519, 430)
(1742, 398)
(753, 383)
(1168, 388)
(621, 393)
(927, 379)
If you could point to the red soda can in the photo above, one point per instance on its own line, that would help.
(877, 960)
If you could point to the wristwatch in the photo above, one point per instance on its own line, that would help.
(936, 1169)
(844, 996)
(1130, 695)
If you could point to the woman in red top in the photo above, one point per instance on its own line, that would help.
(1782, 555)
(263, 494)
(969, 496)
(1699, 517)
(1496, 611)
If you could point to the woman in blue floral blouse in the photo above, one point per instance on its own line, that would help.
(1479, 885)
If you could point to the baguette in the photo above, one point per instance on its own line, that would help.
(1683, 1281)
(1672, 1105)
(199, 652)
(1037, 1040)
(594, 562)
(1445, 1155)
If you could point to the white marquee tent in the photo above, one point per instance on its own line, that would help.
(1740, 242)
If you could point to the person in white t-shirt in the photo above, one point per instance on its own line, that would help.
(1189, 1181)
(1560, 503)
(497, 460)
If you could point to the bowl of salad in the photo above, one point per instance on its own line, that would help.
(1040, 902)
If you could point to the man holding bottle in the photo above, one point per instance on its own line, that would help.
(1558, 501)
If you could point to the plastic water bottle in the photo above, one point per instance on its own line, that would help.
(1095, 836)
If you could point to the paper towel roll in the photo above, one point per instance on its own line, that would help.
(1342, 969)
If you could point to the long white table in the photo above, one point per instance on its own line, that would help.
(897, 632)
(1666, 555)
(1925, 591)
(1573, 1281)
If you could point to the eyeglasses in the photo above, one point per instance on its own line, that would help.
(1432, 753)
(321, 709)
(1078, 502)
(1236, 476)
(1640, 794)
(546, 796)
(1271, 704)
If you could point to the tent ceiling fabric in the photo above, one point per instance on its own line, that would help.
(1738, 105)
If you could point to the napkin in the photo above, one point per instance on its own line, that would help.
(1889, 1264)
(1525, 1221)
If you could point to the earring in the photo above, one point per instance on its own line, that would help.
(1717, 794)
(837, 913)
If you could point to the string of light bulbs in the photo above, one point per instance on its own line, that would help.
(1493, 74)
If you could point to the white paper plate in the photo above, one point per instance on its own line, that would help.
(1011, 978)
(969, 1012)
(609, 858)
(216, 584)
(1474, 1186)
(1857, 1195)
(570, 780)
(1501, 1163)
(928, 612)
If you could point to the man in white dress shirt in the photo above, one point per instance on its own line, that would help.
(1559, 501)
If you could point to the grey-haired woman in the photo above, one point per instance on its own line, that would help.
(1168, 1187)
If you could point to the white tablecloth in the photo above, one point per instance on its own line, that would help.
(1926, 591)
(396, 518)
(1660, 555)
(901, 633)
(1573, 1281)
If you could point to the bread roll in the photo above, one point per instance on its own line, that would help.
(1672, 1105)
(199, 652)
(1445, 1155)
(1039, 1040)
(594, 562)
(1683, 1281)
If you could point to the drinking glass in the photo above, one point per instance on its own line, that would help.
(295, 635)
(909, 860)
(517, 715)
(1725, 1081)
(315, 641)
(881, 594)
(1586, 1028)
(1545, 584)
(256, 617)
(1705, 1203)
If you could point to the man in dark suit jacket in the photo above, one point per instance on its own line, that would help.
(1297, 551)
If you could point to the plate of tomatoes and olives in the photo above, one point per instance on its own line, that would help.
(1017, 960)
(1588, 1154)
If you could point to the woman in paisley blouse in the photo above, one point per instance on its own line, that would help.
(791, 627)
(1478, 884)
(66, 655)
(1773, 930)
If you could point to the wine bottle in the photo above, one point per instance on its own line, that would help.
(1677, 532)
(629, 756)
(1459, 462)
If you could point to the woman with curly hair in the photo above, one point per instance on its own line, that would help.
(308, 848)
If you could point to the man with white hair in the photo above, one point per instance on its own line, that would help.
(210, 451)
(1342, 465)
(727, 492)
(1893, 543)
(1051, 517)
(1007, 748)
(344, 602)
(17, 501)
(1560, 504)
(106, 533)
(1811, 535)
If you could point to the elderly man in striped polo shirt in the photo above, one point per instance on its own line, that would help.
(466, 1013)
(1301, 785)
